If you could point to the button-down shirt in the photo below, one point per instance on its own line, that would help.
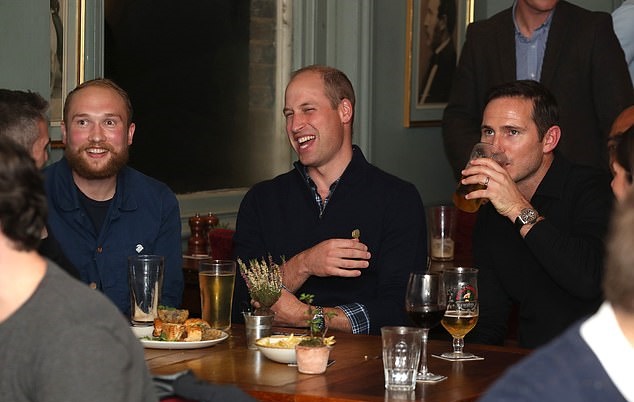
(529, 52)
(143, 218)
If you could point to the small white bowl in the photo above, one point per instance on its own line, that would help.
(272, 347)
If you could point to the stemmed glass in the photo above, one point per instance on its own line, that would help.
(462, 310)
(425, 303)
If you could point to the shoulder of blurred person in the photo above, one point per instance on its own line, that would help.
(62, 329)
(602, 345)
(548, 374)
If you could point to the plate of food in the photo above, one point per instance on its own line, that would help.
(174, 330)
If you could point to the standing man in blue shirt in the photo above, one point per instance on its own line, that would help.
(623, 18)
(572, 51)
(103, 211)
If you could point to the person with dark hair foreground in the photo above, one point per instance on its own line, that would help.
(622, 162)
(23, 120)
(61, 341)
(538, 242)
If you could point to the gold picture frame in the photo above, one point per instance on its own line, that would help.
(68, 23)
(418, 112)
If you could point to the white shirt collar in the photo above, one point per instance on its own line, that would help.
(604, 336)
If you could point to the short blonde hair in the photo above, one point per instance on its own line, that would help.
(102, 83)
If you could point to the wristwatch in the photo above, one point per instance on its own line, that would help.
(318, 319)
(527, 216)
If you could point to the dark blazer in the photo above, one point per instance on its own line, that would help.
(584, 67)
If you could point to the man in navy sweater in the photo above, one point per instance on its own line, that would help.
(306, 217)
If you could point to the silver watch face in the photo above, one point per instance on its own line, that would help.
(528, 216)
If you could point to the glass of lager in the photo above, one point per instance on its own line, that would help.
(216, 278)
(462, 308)
(480, 150)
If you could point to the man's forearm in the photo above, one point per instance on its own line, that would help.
(293, 276)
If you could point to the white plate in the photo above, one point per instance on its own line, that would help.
(142, 332)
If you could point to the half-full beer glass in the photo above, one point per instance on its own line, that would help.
(216, 278)
(480, 150)
(462, 311)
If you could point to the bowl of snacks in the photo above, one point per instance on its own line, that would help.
(279, 348)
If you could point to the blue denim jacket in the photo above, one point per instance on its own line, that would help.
(144, 218)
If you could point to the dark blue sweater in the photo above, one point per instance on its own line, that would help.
(280, 217)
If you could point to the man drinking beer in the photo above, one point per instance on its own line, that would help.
(538, 242)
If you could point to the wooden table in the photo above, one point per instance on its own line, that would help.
(357, 374)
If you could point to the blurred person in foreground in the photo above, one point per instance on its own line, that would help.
(102, 210)
(23, 120)
(622, 163)
(621, 152)
(60, 340)
(570, 50)
(538, 242)
(592, 360)
(307, 216)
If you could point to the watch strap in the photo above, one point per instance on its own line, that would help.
(318, 318)
(527, 216)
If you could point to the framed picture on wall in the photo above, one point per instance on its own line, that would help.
(67, 26)
(435, 32)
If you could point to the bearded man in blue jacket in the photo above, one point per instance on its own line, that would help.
(102, 210)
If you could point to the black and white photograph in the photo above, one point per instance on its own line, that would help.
(435, 30)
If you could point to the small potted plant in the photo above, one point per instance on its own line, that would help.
(313, 351)
(264, 281)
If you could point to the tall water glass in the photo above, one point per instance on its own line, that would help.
(145, 279)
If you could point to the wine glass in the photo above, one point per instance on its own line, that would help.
(425, 304)
(462, 310)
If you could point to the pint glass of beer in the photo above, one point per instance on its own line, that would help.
(480, 150)
(216, 279)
